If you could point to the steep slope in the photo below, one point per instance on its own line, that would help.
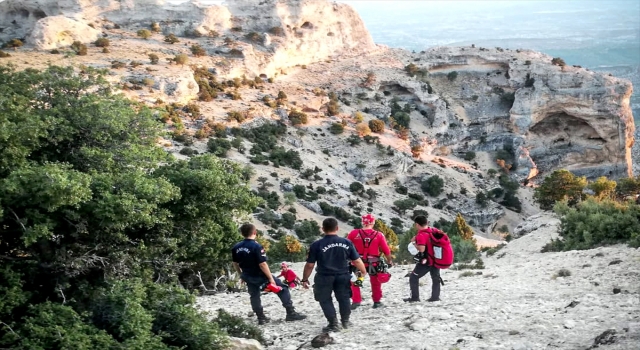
(517, 302)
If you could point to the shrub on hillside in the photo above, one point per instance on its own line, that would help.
(469, 156)
(452, 76)
(297, 117)
(181, 59)
(336, 128)
(235, 326)
(557, 61)
(432, 186)
(356, 187)
(79, 48)
(153, 58)
(411, 69)
(171, 39)
(198, 50)
(593, 223)
(13, 43)
(377, 126)
(218, 147)
(288, 248)
(4, 54)
(307, 230)
(560, 185)
(144, 34)
(102, 42)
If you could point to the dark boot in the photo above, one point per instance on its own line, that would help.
(377, 305)
(411, 300)
(346, 324)
(293, 315)
(333, 326)
(355, 306)
(262, 318)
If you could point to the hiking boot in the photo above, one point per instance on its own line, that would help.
(411, 300)
(293, 315)
(262, 319)
(346, 324)
(355, 306)
(333, 326)
(377, 305)
(433, 299)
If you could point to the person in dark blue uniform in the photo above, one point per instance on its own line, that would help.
(332, 254)
(250, 260)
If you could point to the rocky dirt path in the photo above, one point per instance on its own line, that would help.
(517, 302)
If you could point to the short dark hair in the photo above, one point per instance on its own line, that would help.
(329, 225)
(247, 230)
(421, 220)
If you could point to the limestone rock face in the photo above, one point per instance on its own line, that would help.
(549, 116)
(59, 31)
(292, 32)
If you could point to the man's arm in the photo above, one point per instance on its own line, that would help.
(265, 269)
(236, 266)
(385, 248)
(360, 266)
(308, 268)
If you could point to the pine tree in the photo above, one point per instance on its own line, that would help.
(461, 228)
(392, 238)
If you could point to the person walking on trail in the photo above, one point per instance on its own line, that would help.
(332, 255)
(369, 243)
(290, 277)
(425, 264)
(250, 260)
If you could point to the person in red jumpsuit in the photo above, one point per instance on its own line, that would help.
(290, 277)
(369, 243)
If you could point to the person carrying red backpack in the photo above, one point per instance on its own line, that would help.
(369, 243)
(434, 253)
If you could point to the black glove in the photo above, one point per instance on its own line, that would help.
(418, 256)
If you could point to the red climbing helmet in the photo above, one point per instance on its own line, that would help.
(383, 277)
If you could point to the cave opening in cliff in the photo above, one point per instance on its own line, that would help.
(561, 128)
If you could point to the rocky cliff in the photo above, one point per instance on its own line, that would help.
(284, 33)
(548, 116)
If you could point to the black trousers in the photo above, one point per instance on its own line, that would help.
(253, 286)
(340, 285)
(419, 271)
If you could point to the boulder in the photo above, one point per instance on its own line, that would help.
(322, 340)
(60, 31)
(244, 344)
(313, 206)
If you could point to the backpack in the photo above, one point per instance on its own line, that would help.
(439, 249)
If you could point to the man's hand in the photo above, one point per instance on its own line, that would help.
(305, 284)
(359, 282)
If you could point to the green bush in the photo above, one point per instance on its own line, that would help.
(432, 186)
(235, 326)
(560, 185)
(411, 69)
(288, 248)
(218, 147)
(144, 34)
(356, 187)
(593, 223)
(171, 39)
(198, 50)
(557, 61)
(336, 128)
(308, 230)
(405, 204)
(111, 226)
(469, 156)
(452, 76)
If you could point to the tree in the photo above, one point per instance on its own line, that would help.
(198, 51)
(603, 187)
(389, 234)
(560, 185)
(432, 186)
(481, 199)
(219, 147)
(308, 230)
(405, 204)
(452, 76)
(171, 39)
(356, 187)
(469, 156)
(377, 126)
(181, 59)
(79, 48)
(461, 228)
(102, 42)
(100, 227)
